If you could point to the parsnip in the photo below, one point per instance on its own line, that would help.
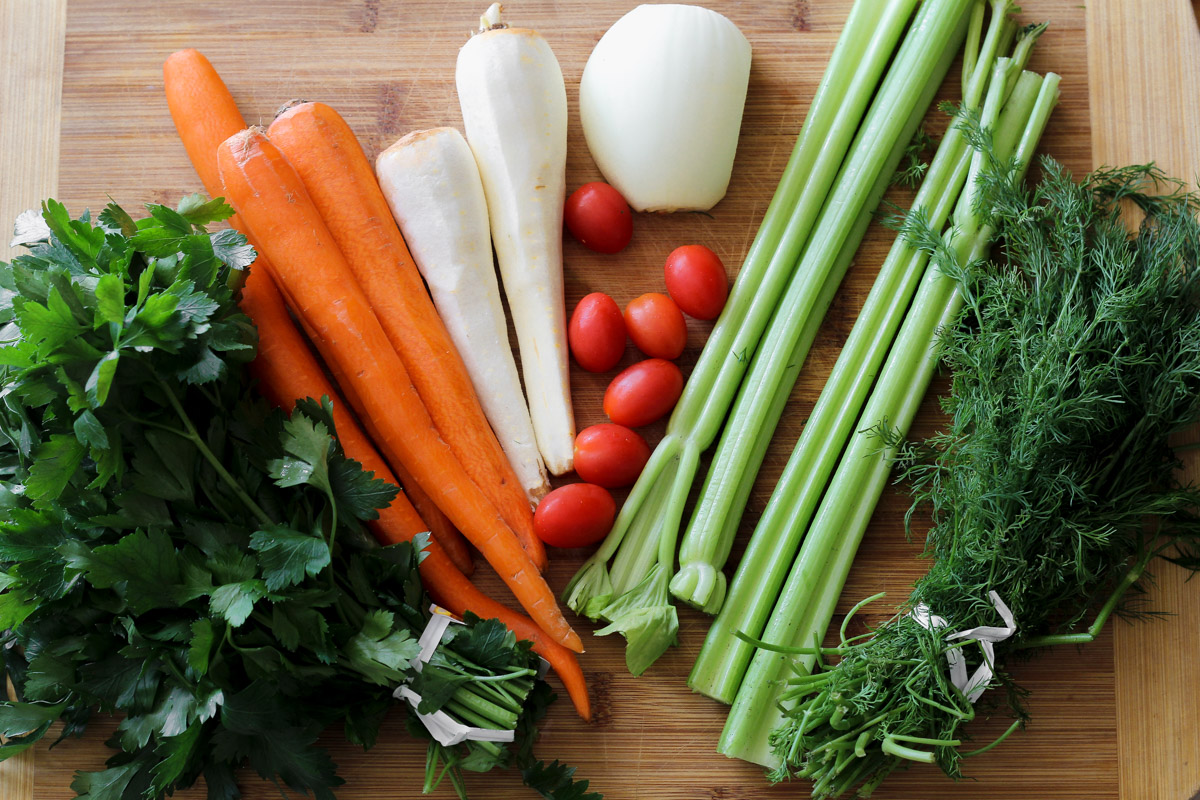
(514, 107)
(433, 188)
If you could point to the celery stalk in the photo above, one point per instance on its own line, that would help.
(812, 589)
(774, 370)
(916, 72)
(714, 588)
(859, 59)
(772, 548)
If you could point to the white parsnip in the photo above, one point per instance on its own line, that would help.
(432, 185)
(514, 107)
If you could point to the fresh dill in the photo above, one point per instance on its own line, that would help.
(915, 161)
(1076, 357)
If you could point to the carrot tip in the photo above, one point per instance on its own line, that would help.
(289, 105)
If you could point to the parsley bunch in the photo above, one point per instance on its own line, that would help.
(1054, 485)
(174, 551)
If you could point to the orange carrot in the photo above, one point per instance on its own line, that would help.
(273, 203)
(437, 523)
(205, 115)
(287, 370)
(341, 182)
(203, 110)
(440, 526)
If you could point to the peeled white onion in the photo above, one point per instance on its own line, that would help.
(661, 102)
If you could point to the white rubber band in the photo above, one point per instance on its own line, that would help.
(987, 635)
(447, 730)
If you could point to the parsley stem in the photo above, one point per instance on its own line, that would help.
(149, 423)
(520, 673)
(473, 714)
(193, 435)
(333, 527)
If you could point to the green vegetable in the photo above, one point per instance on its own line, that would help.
(807, 600)
(936, 35)
(858, 61)
(173, 551)
(646, 529)
(772, 548)
(1053, 486)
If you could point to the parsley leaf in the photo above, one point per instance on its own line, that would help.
(555, 781)
(287, 555)
(380, 651)
(235, 601)
(174, 551)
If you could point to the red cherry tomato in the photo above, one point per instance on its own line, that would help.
(696, 281)
(610, 455)
(656, 325)
(574, 515)
(596, 333)
(643, 393)
(599, 218)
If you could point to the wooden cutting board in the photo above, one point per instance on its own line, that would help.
(388, 67)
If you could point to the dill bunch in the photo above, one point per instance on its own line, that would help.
(1076, 357)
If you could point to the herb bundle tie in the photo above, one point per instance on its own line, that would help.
(986, 635)
(444, 728)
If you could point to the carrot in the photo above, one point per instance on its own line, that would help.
(341, 182)
(287, 370)
(203, 110)
(205, 114)
(440, 526)
(272, 200)
(437, 523)
(457, 594)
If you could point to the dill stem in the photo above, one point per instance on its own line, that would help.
(1131, 576)
(1011, 728)
(893, 748)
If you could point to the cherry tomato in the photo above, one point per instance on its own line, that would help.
(656, 325)
(696, 281)
(643, 393)
(610, 455)
(596, 333)
(574, 515)
(599, 218)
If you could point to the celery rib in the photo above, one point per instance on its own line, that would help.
(774, 368)
(815, 582)
(723, 658)
(861, 55)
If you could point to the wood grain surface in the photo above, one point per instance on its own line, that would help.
(1146, 107)
(388, 67)
(31, 63)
